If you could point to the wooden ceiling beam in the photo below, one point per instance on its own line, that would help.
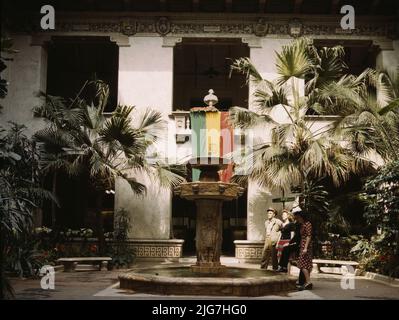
(228, 5)
(162, 5)
(195, 5)
(127, 5)
(298, 6)
(374, 5)
(262, 5)
(334, 6)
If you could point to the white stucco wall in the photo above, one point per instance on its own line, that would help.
(389, 59)
(259, 199)
(26, 75)
(146, 81)
(150, 214)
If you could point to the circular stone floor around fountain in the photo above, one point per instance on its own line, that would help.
(182, 281)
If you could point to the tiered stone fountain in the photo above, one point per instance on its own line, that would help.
(209, 194)
(208, 276)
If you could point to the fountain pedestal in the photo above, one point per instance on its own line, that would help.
(209, 230)
(209, 194)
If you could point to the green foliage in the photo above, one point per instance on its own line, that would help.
(368, 113)
(382, 209)
(25, 258)
(381, 194)
(122, 255)
(314, 200)
(296, 154)
(374, 256)
(337, 247)
(54, 244)
(293, 61)
(20, 195)
(5, 53)
(81, 140)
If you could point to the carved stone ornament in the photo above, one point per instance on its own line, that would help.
(163, 26)
(258, 28)
(261, 28)
(295, 28)
(129, 27)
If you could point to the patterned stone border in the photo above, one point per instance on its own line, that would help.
(145, 250)
(248, 251)
(157, 249)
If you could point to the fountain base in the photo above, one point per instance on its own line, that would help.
(209, 268)
(233, 281)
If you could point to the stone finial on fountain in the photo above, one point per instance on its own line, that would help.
(211, 99)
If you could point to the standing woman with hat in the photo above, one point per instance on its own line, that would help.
(306, 252)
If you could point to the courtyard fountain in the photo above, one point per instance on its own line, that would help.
(207, 276)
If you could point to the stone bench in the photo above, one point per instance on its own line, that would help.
(321, 262)
(71, 263)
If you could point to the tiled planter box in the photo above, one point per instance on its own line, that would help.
(248, 251)
(145, 250)
(157, 250)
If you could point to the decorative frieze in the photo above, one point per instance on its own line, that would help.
(128, 27)
(261, 28)
(295, 28)
(162, 26)
(256, 27)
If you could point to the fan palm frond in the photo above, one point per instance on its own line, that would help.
(327, 65)
(244, 118)
(137, 187)
(293, 61)
(245, 67)
(151, 125)
(167, 175)
(268, 99)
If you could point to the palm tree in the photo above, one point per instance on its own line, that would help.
(55, 140)
(20, 194)
(369, 120)
(296, 154)
(104, 148)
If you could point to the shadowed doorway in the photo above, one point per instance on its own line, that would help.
(199, 65)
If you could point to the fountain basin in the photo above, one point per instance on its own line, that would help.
(232, 281)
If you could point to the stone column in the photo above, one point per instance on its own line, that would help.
(262, 55)
(26, 75)
(146, 81)
(209, 232)
(388, 58)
